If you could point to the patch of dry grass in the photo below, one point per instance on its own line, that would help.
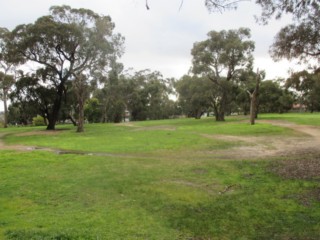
(300, 168)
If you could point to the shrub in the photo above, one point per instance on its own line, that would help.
(38, 121)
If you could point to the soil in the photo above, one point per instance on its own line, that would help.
(305, 141)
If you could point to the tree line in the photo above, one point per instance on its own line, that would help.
(78, 76)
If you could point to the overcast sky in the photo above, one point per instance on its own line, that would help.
(161, 38)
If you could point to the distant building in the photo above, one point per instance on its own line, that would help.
(297, 107)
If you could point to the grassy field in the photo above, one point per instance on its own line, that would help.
(155, 180)
(305, 118)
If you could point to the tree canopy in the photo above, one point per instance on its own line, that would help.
(221, 58)
(299, 40)
(65, 44)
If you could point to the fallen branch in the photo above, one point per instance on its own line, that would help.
(227, 188)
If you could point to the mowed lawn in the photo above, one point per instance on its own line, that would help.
(154, 180)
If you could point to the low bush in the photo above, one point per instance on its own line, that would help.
(38, 121)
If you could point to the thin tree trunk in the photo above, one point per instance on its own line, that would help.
(5, 108)
(81, 92)
(254, 100)
(222, 108)
(252, 108)
(72, 120)
(80, 127)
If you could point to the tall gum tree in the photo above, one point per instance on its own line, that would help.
(66, 43)
(298, 40)
(7, 69)
(221, 58)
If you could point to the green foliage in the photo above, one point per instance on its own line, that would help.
(307, 88)
(38, 121)
(78, 38)
(273, 98)
(22, 113)
(224, 52)
(300, 40)
(92, 110)
(148, 96)
(195, 95)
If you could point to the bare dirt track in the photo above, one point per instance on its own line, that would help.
(3, 146)
(299, 154)
(306, 141)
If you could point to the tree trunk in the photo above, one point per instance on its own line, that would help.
(254, 100)
(5, 125)
(81, 88)
(80, 127)
(72, 120)
(253, 108)
(198, 114)
(45, 121)
(53, 116)
(218, 112)
(222, 108)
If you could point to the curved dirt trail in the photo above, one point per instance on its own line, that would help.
(3, 146)
(249, 146)
(307, 142)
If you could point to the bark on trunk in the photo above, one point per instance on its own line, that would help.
(221, 109)
(218, 112)
(53, 116)
(81, 116)
(72, 120)
(254, 101)
(252, 108)
(198, 115)
(81, 86)
(5, 125)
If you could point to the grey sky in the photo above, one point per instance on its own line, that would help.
(161, 38)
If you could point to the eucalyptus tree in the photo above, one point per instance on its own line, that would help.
(301, 39)
(298, 40)
(7, 69)
(274, 98)
(194, 95)
(30, 91)
(112, 96)
(249, 83)
(64, 45)
(221, 59)
(6, 82)
(306, 86)
(93, 113)
(146, 95)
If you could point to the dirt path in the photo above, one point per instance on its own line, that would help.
(11, 147)
(246, 147)
(258, 147)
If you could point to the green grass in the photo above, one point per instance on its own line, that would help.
(299, 118)
(156, 190)
(168, 135)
